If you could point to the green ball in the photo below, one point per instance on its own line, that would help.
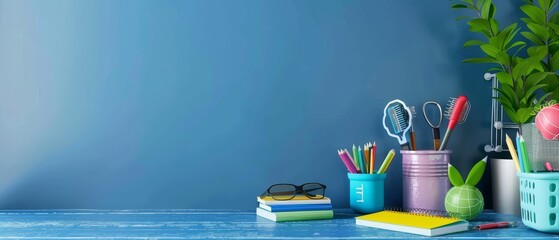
(465, 200)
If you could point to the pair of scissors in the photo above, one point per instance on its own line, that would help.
(434, 125)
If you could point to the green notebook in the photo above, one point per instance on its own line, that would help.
(295, 215)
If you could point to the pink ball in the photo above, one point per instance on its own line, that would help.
(547, 121)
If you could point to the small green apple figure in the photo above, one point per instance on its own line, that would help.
(464, 199)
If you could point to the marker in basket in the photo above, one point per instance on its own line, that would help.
(548, 166)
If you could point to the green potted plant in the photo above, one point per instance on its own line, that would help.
(525, 60)
(526, 70)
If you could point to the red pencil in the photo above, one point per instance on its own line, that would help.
(373, 154)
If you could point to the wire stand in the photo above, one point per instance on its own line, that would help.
(497, 122)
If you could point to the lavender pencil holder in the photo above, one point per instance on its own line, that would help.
(425, 182)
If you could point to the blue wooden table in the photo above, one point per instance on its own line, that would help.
(216, 224)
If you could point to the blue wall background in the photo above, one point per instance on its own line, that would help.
(204, 104)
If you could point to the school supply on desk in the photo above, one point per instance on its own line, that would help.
(294, 207)
(416, 223)
(299, 199)
(495, 225)
(289, 202)
(287, 191)
(434, 126)
(366, 164)
(295, 215)
(399, 117)
(457, 112)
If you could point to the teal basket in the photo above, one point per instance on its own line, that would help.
(539, 193)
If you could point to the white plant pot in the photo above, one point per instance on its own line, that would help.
(506, 195)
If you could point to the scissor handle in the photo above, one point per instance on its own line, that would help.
(427, 118)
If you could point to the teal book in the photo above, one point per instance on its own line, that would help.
(296, 207)
(295, 215)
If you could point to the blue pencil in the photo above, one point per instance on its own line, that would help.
(520, 156)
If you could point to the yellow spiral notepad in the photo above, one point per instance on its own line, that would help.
(416, 223)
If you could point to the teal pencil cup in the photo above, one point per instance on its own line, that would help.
(366, 192)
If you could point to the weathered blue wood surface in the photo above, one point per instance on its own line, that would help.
(216, 224)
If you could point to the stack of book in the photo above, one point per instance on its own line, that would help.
(297, 209)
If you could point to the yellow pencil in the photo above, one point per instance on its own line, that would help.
(387, 161)
(512, 151)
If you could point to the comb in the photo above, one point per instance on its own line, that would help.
(399, 118)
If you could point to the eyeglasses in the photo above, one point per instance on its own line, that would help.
(286, 191)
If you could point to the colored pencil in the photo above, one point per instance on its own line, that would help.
(367, 157)
(525, 158)
(520, 159)
(387, 161)
(351, 160)
(513, 154)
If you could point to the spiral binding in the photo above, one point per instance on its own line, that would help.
(424, 212)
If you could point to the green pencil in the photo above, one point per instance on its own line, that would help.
(355, 157)
(525, 160)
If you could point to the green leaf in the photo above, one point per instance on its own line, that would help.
(555, 62)
(490, 50)
(536, 14)
(511, 114)
(454, 176)
(494, 26)
(473, 43)
(539, 30)
(459, 6)
(510, 32)
(503, 58)
(476, 173)
(554, 18)
(544, 4)
(537, 51)
(480, 60)
(462, 17)
(530, 92)
(480, 25)
(504, 78)
(543, 98)
(536, 78)
(505, 96)
(530, 36)
(524, 115)
(517, 43)
(485, 9)
(527, 65)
